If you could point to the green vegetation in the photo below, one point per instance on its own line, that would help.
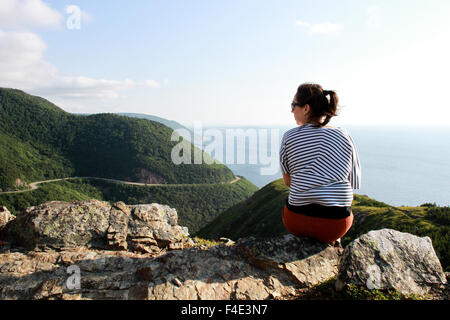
(355, 292)
(61, 190)
(205, 242)
(24, 161)
(196, 204)
(40, 141)
(326, 290)
(260, 216)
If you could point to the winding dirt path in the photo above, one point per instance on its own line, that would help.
(34, 185)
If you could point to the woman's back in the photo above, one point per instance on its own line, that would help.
(323, 165)
(320, 164)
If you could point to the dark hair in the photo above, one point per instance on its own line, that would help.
(314, 95)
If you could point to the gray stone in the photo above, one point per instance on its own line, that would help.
(93, 223)
(389, 259)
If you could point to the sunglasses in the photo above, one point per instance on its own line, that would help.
(294, 104)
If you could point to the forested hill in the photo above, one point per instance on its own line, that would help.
(260, 216)
(40, 141)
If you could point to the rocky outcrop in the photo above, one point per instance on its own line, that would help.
(129, 252)
(389, 259)
(97, 224)
(5, 216)
(251, 269)
(93, 250)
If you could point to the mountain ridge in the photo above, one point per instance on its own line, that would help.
(45, 142)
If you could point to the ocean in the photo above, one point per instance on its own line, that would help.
(401, 166)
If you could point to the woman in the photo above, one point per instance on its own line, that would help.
(320, 165)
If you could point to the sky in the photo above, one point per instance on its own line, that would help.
(231, 62)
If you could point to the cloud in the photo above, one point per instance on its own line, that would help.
(24, 14)
(22, 61)
(152, 84)
(326, 28)
(85, 87)
(23, 66)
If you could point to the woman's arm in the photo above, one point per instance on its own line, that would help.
(283, 162)
(355, 173)
(287, 179)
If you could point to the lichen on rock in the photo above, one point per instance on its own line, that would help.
(94, 223)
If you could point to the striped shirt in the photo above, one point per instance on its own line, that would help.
(323, 164)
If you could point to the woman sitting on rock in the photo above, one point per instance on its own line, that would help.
(320, 165)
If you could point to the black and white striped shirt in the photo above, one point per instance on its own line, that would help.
(323, 164)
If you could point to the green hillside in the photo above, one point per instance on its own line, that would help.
(40, 141)
(196, 204)
(55, 191)
(260, 216)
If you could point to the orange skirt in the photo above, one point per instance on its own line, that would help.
(322, 229)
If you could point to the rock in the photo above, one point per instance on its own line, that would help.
(307, 261)
(252, 269)
(118, 226)
(389, 259)
(5, 216)
(124, 251)
(219, 272)
(145, 228)
(19, 183)
(176, 246)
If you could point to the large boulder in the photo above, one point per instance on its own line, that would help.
(93, 223)
(389, 259)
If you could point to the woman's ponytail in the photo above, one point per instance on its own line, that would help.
(316, 97)
(330, 107)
